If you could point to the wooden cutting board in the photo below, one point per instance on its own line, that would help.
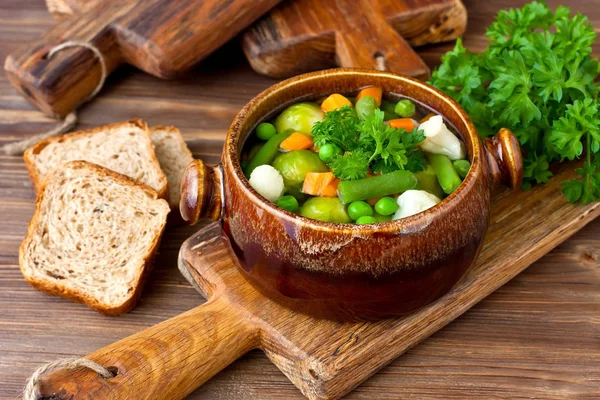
(160, 37)
(305, 35)
(324, 359)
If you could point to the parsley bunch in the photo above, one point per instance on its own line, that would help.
(537, 79)
(368, 144)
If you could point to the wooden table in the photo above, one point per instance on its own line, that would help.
(538, 336)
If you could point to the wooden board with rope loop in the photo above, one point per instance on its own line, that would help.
(305, 35)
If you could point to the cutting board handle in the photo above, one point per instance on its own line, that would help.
(368, 41)
(59, 83)
(165, 361)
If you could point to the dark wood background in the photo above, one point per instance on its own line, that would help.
(537, 337)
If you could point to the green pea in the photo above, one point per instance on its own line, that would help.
(365, 106)
(386, 206)
(288, 202)
(366, 219)
(265, 131)
(405, 108)
(358, 209)
(329, 151)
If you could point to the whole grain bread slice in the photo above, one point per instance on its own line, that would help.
(93, 236)
(174, 156)
(124, 147)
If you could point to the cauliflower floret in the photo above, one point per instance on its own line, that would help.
(267, 181)
(439, 140)
(413, 202)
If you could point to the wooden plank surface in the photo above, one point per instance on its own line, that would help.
(538, 336)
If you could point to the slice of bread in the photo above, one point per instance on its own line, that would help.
(173, 156)
(124, 147)
(93, 236)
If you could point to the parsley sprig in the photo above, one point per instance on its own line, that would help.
(537, 78)
(368, 144)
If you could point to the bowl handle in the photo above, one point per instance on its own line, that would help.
(504, 159)
(201, 192)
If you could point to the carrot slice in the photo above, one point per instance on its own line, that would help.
(297, 141)
(402, 123)
(373, 91)
(331, 189)
(334, 102)
(315, 182)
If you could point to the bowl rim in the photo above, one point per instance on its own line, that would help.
(408, 224)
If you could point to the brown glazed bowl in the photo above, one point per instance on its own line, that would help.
(348, 271)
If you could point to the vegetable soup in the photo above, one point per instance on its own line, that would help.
(360, 160)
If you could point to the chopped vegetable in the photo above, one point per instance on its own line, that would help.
(288, 203)
(403, 123)
(367, 219)
(327, 209)
(267, 181)
(405, 108)
(374, 92)
(358, 209)
(377, 186)
(297, 141)
(316, 182)
(386, 206)
(439, 140)
(294, 166)
(329, 151)
(265, 131)
(334, 102)
(331, 189)
(365, 107)
(444, 170)
(299, 118)
(538, 78)
(267, 152)
(428, 181)
(413, 202)
(462, 167)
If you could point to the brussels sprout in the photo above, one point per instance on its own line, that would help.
(299, 118)
(327, 209)
(365, 107)
(294, 166)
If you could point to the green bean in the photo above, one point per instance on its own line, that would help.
(405, 108)
(267, 152)
(447, 176)
(428, 181)
(365, 106)
(462, 167)
(377, 186)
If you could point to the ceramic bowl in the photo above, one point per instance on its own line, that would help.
(348, 271)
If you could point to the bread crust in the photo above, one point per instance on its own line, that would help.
(34, 174)
(76, 295)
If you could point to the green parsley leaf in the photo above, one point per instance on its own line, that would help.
(537, 78)
(351, 165)
(339, 127)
